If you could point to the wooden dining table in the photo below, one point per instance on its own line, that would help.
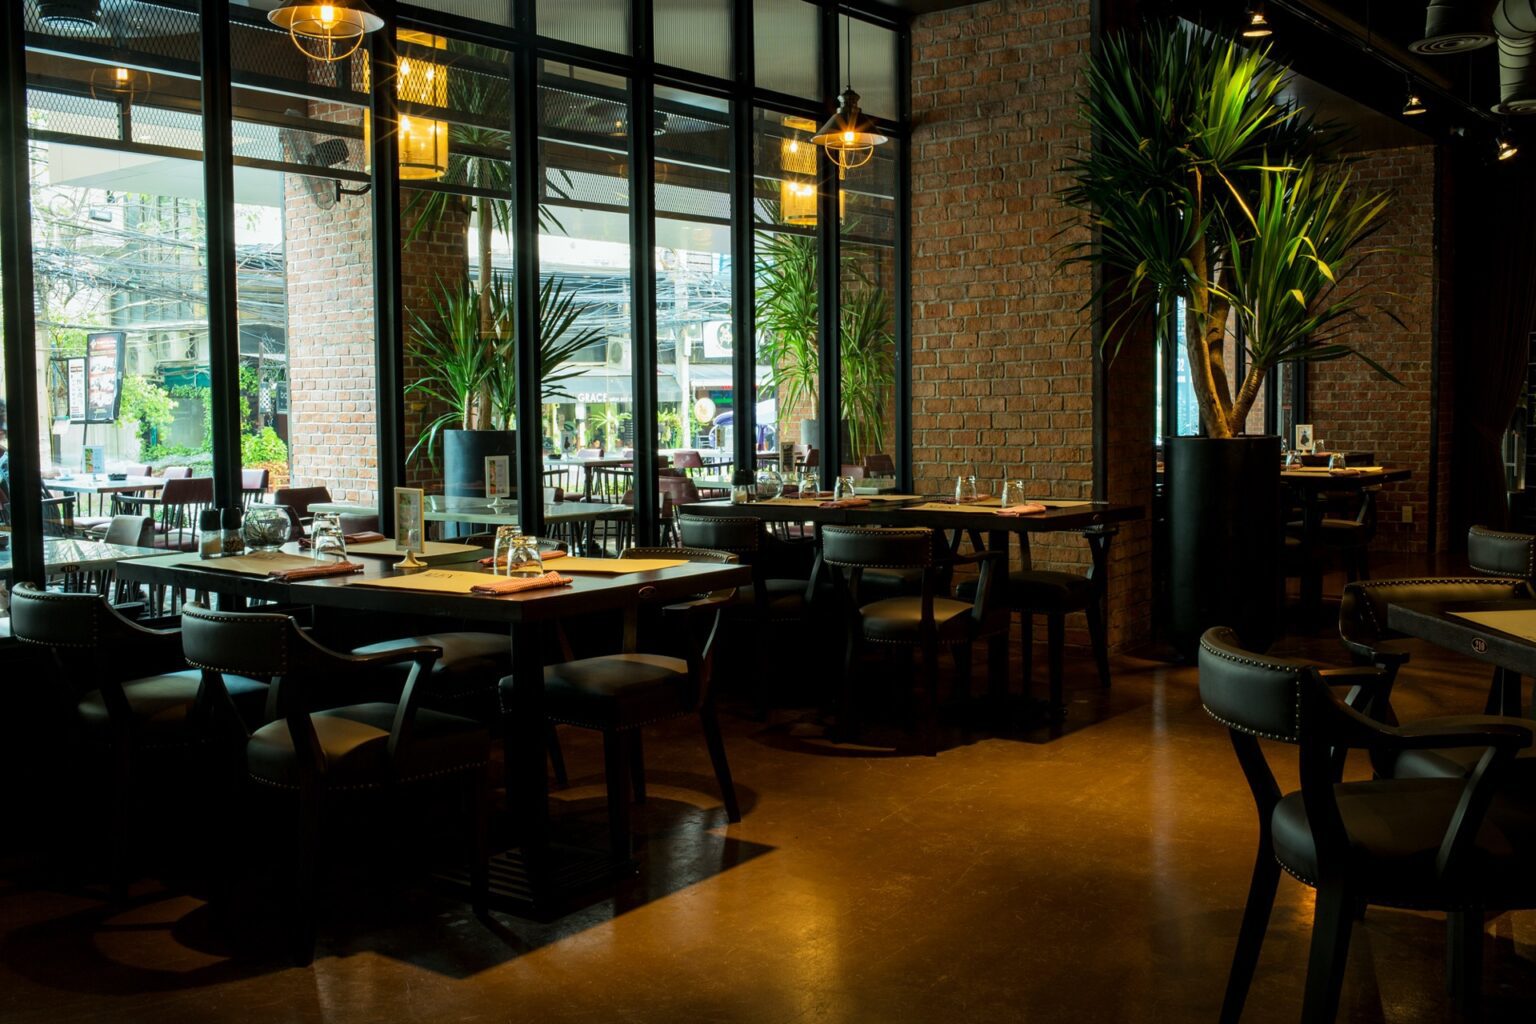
(1497, 633)
(1309, 484)
(524, 615)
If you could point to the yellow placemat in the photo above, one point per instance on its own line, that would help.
(438, 581)
(885, 497)
(432, 548)
(257, 563)
(615, 566)
(1520, 623)
(944, 506)
(1056, 503)
(795, 502)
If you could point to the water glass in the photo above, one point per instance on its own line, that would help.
(1336, 460)
(965, 488)
(516, 554)
(1012, 493)
(326, 539)
(810, 486)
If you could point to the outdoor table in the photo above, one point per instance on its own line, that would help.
(68, 556)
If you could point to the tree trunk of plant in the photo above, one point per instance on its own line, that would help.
(483, 411)
(1197, 345)
(1247, 394)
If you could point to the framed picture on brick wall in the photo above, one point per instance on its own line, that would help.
(1305, 441)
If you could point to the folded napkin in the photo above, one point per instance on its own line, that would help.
(544, 556)
(366, 537)
(517, 584)
(845, 503)
(1029, 508)
(315, 572)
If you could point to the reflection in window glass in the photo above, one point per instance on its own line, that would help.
(867, 314)
(785, 190)
(119, 233)
(584, 277)
(695, 397)
(693, 34)
(602, 24)
(786, 41)
(869, 65)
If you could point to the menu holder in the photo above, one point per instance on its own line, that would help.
(618, 566)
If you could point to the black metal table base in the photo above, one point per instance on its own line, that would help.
(581, 877)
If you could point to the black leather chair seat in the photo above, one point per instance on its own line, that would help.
(1039, 590)
(899, 619)
(471, 663)
(355, 741)
(619, 691)
(1395, 828)
(160, 703)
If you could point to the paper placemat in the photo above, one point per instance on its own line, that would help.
(1055, 503)
(1520, 622)
(257, 563)
(432, 549)
(795, 502)
(944, 506)
(1325, 471)
(617, 566)
(438, 581)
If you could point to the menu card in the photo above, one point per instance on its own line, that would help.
(409, 535)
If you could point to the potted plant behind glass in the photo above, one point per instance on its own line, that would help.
(1204, 192)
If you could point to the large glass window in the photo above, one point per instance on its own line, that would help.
(866, 315)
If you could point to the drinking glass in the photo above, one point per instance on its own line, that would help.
(326, 539)
(517, 554)
(810, 486)
(1336, 460)
(965, 488)
(1012, 494)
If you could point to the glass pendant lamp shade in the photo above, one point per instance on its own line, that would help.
(123, 85)
(423, 140)
(798, 194)
(849, 136)
(326, 31)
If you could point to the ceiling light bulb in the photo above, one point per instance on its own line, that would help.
(1414, 106)
(1255, 23)
(327, 14)
(1507, 148)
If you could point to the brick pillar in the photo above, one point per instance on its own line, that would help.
(437, 255)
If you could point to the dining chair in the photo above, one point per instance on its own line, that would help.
(620, 694)
(1055, 595)
(850, 469)
(688, 460)
(879, 465)
(1347, 527)
(318, 760)
(354, 523)
(253, 485)
(299, 499)
(128, 531)
(174, 509)
(133, 698)
(1502, 553)
(1453, 846)
(923, 622)
(176, 473)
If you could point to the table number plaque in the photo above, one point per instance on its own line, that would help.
(498, 479)
(409, 533)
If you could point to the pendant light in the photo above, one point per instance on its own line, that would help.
(120, 85)
(798, 194)
(423, 140)
(1413, 106)
(849, 136)
(1506, 147)
(1255, 23)
(326, 31)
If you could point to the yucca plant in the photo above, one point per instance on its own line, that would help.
(1190, 134)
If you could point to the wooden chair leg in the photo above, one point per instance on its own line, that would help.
(636, 765)
(929, 716)
(1250, 939)
(556, 756)
(1056, 627)
(1331, 923)
(1099, 640)
(480, 845)
(1464, 960)
(616, 772)
(716, 744)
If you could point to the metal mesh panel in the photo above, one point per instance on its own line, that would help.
(166, 30)
(583, 188)
(176, 129)
(684, 201)
(70, 114)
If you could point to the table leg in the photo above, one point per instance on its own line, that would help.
(1311, 566)
(525, 752)
(997, 646)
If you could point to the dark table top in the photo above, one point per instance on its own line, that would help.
(1434, 621)
(901, 512)
(69, 554)
(1345, 482)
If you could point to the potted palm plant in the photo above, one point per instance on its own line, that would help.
(1209, 196)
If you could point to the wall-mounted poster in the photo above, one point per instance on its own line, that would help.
(1304, 438)
(75, 370)
(103, 375)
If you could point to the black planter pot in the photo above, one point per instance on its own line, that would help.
(464, 455)
(1224, 538)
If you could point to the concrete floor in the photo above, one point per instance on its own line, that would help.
(1096, 876)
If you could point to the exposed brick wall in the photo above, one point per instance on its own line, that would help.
(1349, 406)
(331, 372)
(1002, 356)
(433, 256)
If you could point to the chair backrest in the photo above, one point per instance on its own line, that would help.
(1256, 695)
(253, 484)
(849, 469)
(133, 531)
(689, 459)
(197, 490)
(300, 498)
(877, 547)
(680, 489)
(175, 472)
(1363, 608)
(610, 484)
(879, 465)
(180, 502)
(351, 523)
(140, 469)
(1501, 553)
(739, 535)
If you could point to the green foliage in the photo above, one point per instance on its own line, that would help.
(669, 430)
(788, 307)
(148, 405)
(611, 422)
(1191, 133)
(262, 447)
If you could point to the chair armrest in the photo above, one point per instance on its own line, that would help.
(1374, 655)
(988, 560)
(713, 601)
(1446, 733)
(423, 654)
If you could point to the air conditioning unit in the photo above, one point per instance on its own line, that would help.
(717, 339)
(617, 356)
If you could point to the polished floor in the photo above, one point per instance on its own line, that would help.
(1095, 876)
